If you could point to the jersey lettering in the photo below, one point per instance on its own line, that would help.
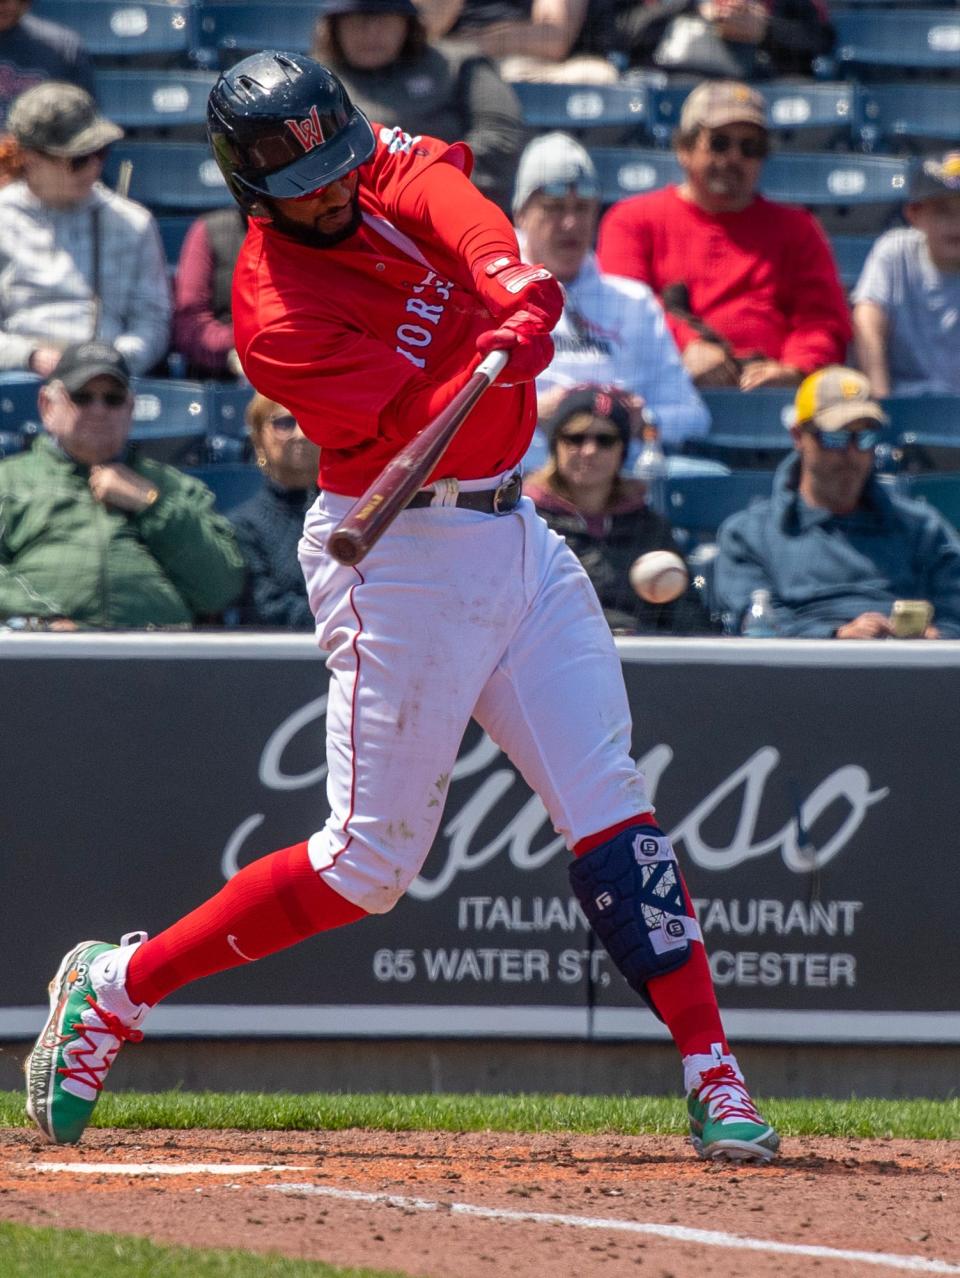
(430, 313)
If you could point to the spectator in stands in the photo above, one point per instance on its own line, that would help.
(604, 517)
(89, 539)
(203, 310)
(735, 39)
(33, 50)
(270, 525)
(380, 50)
(532, 40)
(77, 261)
(906, 315)
(833, 546)
(750, 287)
(612, 329)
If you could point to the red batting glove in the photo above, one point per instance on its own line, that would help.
(530, 345)
(506, 285)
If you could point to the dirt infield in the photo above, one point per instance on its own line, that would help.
(474, 1205)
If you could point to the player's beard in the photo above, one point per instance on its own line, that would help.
(309, 235)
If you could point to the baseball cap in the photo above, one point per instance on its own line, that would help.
(554, 160)
(330, 8)
(600, 401)
(83, 361)
(833, 397)
(935, 177)
(60, 119)
(717, 102)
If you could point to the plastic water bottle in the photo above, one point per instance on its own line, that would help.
(651, 467)
(759, 621)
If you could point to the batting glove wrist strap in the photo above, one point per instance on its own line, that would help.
(631, 891)
(506, 284)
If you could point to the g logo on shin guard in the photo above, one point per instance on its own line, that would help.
(632, 894)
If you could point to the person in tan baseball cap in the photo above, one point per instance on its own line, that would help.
(750, 286)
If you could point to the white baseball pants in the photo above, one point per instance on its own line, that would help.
(455, 613)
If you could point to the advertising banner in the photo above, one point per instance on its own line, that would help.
(809, 795)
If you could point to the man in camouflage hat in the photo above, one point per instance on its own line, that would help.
(750, 286)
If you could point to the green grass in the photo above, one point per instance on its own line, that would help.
(72, 1253)
(250, 1111)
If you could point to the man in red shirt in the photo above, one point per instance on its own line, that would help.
(372, 279)
(750, 287)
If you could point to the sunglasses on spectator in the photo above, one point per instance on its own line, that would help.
(602, 440)
(84, 398)
(837, 441)
(585, 188)
(749, 148)
(284, 425)
(77, 162)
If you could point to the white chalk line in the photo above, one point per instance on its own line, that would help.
(677, 1233)
(165, 1169)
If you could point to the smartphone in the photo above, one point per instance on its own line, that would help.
(910, 617)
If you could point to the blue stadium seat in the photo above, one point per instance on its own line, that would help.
(19, 415)
(114, 29)
(880, 39)
(625, 171)
(578, 108)
(226, 405)
(170, 421)
(170, 175)
(698, 504)
(232, 483)
(941, 491)
(814, 115)
(173, 229)
(915, 115)
(851, 252)
(155, 100)
(746, 429)
(228, 30)
(850, 194)
(926, 430)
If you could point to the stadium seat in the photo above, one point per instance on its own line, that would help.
(112, 29)
(227, 30)
(625, 171)
(231, 483)
(173, 230)
(851, 252)
(871, 40)
(170, 421)
(926, 430)
(226, 404)
(746, 430)
(908, 116)
(850, 194)
(19, 415)
(170, 175)
(591, 109)
(811, 115)
(941, 491)
(152, 100)
(698, 504)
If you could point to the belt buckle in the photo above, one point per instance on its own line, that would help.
(507, 495)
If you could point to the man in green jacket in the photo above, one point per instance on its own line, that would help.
(90, 540)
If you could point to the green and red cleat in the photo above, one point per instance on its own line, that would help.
(724, 1122)
(78, 1044)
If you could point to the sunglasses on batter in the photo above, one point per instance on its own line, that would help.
(749, 148)
(837, 441)
(603, 440)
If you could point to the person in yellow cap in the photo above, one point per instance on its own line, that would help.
(834, 549)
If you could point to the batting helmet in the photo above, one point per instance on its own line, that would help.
(282, 125)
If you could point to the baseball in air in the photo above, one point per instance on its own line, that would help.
(659, 577)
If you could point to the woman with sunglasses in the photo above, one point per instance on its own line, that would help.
(268, 526)
(603, 516)
(77, 260)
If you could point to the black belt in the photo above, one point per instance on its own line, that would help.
(491, 501)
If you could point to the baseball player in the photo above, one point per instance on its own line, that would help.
(373, 278)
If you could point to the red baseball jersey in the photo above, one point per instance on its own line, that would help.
(334, 334)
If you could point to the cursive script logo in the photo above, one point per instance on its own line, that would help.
(492, 789)
(308, 131)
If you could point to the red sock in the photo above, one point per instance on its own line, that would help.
(684, 998)
(268, 905)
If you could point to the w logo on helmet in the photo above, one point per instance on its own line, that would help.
(308, 132)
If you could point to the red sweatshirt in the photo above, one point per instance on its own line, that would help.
(763, 278)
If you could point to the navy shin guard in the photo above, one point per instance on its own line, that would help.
(631, 892)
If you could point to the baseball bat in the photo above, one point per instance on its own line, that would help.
(372, 514)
